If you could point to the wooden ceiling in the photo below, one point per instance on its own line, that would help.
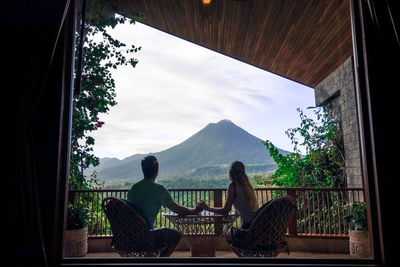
(303, 40)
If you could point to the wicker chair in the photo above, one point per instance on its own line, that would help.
(131, 235)
(266, 235)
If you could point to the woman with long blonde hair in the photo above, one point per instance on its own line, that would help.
(240, 194)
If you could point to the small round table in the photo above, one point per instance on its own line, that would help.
(202, 231)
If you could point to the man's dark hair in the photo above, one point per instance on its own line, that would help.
(149, 166)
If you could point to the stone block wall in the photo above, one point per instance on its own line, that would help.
(337, 91)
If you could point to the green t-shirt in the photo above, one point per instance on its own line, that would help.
(149, 196)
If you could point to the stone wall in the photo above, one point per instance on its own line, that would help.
(337, 91)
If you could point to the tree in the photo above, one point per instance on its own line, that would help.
(324, 162)
(97, 94)
(259, 180)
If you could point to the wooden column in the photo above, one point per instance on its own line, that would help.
(218, 203)
(292, 227)
(217, 198)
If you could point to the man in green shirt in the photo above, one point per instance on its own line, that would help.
(148, 197)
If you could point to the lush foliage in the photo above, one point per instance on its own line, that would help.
(259, 180)
(358, 216)
(101, 54)
(324, 162)
(184, 182)
(77, 217)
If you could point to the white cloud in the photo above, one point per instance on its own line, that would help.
(178, 88)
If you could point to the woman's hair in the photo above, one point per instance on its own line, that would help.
(237, 174)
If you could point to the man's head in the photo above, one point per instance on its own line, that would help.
(150, 167)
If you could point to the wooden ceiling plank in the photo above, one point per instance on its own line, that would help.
(303, 40)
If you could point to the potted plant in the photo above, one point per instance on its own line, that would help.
(359, 234)
(76, 244)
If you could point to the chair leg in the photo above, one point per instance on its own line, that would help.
(236, 251)
(167, 251)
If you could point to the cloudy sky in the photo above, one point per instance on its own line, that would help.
(177, 88)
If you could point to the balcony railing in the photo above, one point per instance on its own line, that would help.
(321, 211)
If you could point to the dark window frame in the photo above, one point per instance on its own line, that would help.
(364, 85)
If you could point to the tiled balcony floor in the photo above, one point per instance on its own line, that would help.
(230, 254)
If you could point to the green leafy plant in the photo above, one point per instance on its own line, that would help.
(101, 54)
(323, 165)
(77, 217)
(358, 216)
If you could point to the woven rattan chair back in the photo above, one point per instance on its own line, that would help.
(131, 235)
(266, 235)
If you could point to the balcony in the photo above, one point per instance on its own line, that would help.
(317, 230)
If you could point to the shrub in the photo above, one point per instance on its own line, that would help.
(323, 165)
(358, 216)
(77, 217)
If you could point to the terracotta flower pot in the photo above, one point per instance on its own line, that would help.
(359, 243)
(76, 243)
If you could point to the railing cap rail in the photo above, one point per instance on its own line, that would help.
(313, 188)
(224, 189)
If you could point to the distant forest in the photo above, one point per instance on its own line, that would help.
(257, 180)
